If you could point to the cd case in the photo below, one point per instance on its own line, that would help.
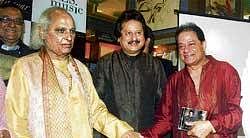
(188, 115)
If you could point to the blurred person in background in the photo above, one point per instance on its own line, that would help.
(149, 47)
(11, 44)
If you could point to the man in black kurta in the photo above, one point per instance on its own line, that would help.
(130, 86)
(129, 81)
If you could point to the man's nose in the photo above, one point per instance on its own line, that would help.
(68, 35)
(188, 48)
(134, 36)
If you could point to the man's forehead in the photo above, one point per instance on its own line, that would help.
(132, 24)
(60, 16)
(11, 11)
(61, 22)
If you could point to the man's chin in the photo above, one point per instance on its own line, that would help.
(10, 41)
(66, 52)
(11, 36)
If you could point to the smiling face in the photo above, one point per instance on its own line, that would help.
(132, 37)
(12, 25)
(191, 49)
(59, 38)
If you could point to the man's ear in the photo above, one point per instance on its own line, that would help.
(118, 39)
(147, 42)
(23, 28)
(23, 31)
(204, 45)
(42, 32)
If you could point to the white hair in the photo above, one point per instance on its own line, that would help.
(43, 24)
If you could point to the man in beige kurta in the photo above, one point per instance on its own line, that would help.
(51, 95)
(25, 110)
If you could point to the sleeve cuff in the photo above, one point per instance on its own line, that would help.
(212, 127)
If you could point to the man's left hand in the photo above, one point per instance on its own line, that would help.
(201, 129)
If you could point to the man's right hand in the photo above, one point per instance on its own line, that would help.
(132, 134)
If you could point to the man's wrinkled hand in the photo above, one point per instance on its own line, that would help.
(132, 134)
(201, 129)
(4, 134)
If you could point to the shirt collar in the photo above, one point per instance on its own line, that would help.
(10, 48)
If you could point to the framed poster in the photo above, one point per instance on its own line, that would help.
(222, 7)
(159, 14)
(106, 9)
(77, 8)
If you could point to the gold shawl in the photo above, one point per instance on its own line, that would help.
(55, 102)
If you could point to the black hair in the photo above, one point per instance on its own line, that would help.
(190, 27)
(127, 15)
(149, 34)
(12, 5)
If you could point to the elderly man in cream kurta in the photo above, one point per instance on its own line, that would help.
(51, 95)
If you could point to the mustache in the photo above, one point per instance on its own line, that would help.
(134, 41)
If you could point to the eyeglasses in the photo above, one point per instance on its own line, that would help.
(8, 20)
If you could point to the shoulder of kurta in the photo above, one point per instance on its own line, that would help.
(224, 66)
(31, 64)
(32, 58)
(80, 65)
(84, 71)
(228, 66)
(154, 60)
(109, 56)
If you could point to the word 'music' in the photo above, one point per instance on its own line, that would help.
(69, 5)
